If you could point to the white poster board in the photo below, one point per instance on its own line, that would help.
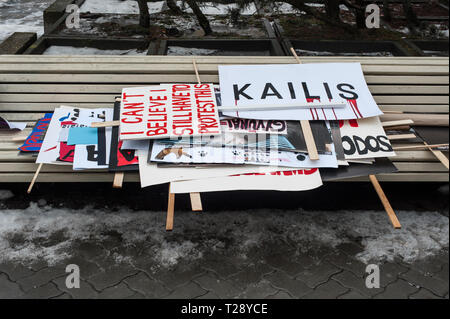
(299, 180)
(65, 117)
(168, 111)
(365, 139)
(285, 84)
(151, 174)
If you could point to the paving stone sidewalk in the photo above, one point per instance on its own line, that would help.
(284, 274)
(284, 263)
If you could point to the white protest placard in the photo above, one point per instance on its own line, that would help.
(287, 84)
(54, 151)
(150, 174)
(364, 139)
(299, 180)
(206, 154)
(168, 111)
(237, 125)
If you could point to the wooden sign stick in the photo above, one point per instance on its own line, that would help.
(306, 128)
(439, 155)
(387, 206)
(118, 179)
(196, 200)
(36, 174)
(170, 210)
(414, 147)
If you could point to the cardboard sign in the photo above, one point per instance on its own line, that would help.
(237, 125)
(380, 166)
(281, 85)
(205, 155)
(33, 142)
(365, 139)
(95, 156)
(300, 180)
(167, 111)
(121, 159)
(151, 174)
(55, 152)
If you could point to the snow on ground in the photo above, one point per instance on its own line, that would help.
(120, 7)
(50, 234)
(131, 7)
(68, 50)
(176, 50)
(22, 16)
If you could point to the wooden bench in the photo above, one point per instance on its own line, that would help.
(32, 85)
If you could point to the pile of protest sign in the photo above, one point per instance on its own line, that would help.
(246, 133)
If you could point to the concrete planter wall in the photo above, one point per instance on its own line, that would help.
(56, 13)
(430, 48)
(223, 46)
(339, 47)
(45, 42)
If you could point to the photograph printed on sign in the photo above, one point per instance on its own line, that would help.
(297, 180)
(364, 139)
(293, 141)
(279, 85)
(169, 111)
(198, 154)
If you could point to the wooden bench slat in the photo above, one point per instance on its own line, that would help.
(105, 98)
(145, 79)
(167, 68)
(24, 59)
(117, 88)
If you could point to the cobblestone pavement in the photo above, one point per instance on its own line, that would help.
(278, 268)
(277, 273)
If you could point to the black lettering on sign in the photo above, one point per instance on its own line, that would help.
(92, 154)
(266, 93)
(361, 146)
(352, 95)
(307, 95)
(240, 91)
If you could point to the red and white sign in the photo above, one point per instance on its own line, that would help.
(168, 111)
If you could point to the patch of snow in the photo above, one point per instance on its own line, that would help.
(119, 6)
(176, 50)
(68, 50)
(52, 234)
(5, 194)
(22, 16)
(301, 52)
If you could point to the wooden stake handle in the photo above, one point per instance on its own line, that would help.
(105, 124)
(306, 128)
(170, 210)
(414, 147)
(387, 206)
(118, 179)
(36, 174)
(439, 155)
